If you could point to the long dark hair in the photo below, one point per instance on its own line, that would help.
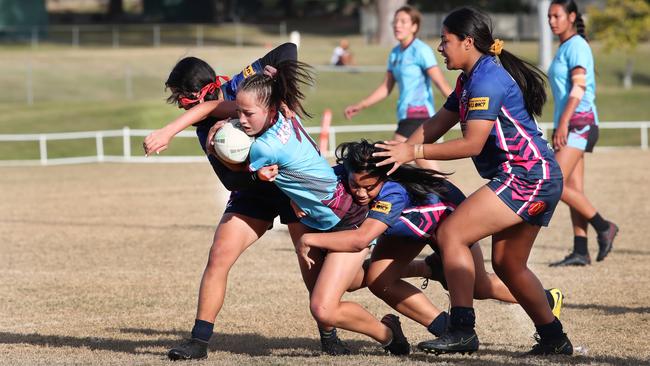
(284, 87)
(188, 77)
(469, 22)
(570, 6)
(357, 157)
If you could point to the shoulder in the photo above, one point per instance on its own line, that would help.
(490, 78)
(420, 45)
(391, 191)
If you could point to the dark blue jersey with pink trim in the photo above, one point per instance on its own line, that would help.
(515, 145)
(416, 220)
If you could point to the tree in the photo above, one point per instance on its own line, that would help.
(385, 12)
(621, 25)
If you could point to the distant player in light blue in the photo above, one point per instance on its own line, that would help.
(573, 83)
(321, 199)
(412, 65)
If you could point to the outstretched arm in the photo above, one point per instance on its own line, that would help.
(348, 240)
(382, 91)
(159, 140)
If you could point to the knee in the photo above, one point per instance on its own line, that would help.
(322, 313)
(444, 236)
(499, 267)
(221, 257)
(507, 270)
(379, 287)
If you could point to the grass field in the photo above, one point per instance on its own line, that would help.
(101, 263)
(85, 89)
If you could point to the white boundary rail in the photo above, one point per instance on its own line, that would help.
(127, 157)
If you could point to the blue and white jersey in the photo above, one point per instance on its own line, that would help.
(394, 207)
(303, 174)
(574, 52)
(409, 68)
(515, 146)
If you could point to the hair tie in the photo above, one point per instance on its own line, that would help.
(207, 89)
(496, 47)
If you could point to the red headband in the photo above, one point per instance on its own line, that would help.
(208, 89)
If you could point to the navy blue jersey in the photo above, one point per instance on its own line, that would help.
(417, 220)
(515, 145)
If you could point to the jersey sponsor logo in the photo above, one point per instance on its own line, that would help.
(536, 208)
(382, 206)
(479, 104)
(249, 71)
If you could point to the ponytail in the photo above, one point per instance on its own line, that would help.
(530, 80)
(283, 87)
(469, 22)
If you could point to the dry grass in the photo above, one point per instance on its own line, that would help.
(100, 264)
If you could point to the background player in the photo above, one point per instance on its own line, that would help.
(412, 65)
(573, 83)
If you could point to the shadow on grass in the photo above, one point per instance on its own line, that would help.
(256, 345)
(608, 309)
(244, 344)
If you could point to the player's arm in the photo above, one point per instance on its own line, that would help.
(159, 140)
(347, 240)
(435, 74)
(379, 94)
(578, 88)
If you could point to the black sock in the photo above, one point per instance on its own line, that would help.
(549, 298)
(550, 331)
(599, 223)
(580, 245)
(439, 324)
(327, 334)
(462, 318)
(202, 330)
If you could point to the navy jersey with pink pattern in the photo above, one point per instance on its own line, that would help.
(414, 220)
(515, 145)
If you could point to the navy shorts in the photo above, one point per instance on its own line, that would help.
(533, 200)
(264, 202)
(407, 126)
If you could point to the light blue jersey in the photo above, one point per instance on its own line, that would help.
(303, 174)
(574, 52)
(409, 68)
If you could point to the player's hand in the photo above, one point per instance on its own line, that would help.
(396, 152)
(560, 136)
(209, 143)
(268, 173)
(157, 141)
(351, 110)
(297, 210)
(302, 250)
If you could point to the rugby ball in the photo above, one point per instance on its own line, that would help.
(231, 143)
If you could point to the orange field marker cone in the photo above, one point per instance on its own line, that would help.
(325, 131)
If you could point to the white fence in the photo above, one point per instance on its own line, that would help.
(127, 134)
